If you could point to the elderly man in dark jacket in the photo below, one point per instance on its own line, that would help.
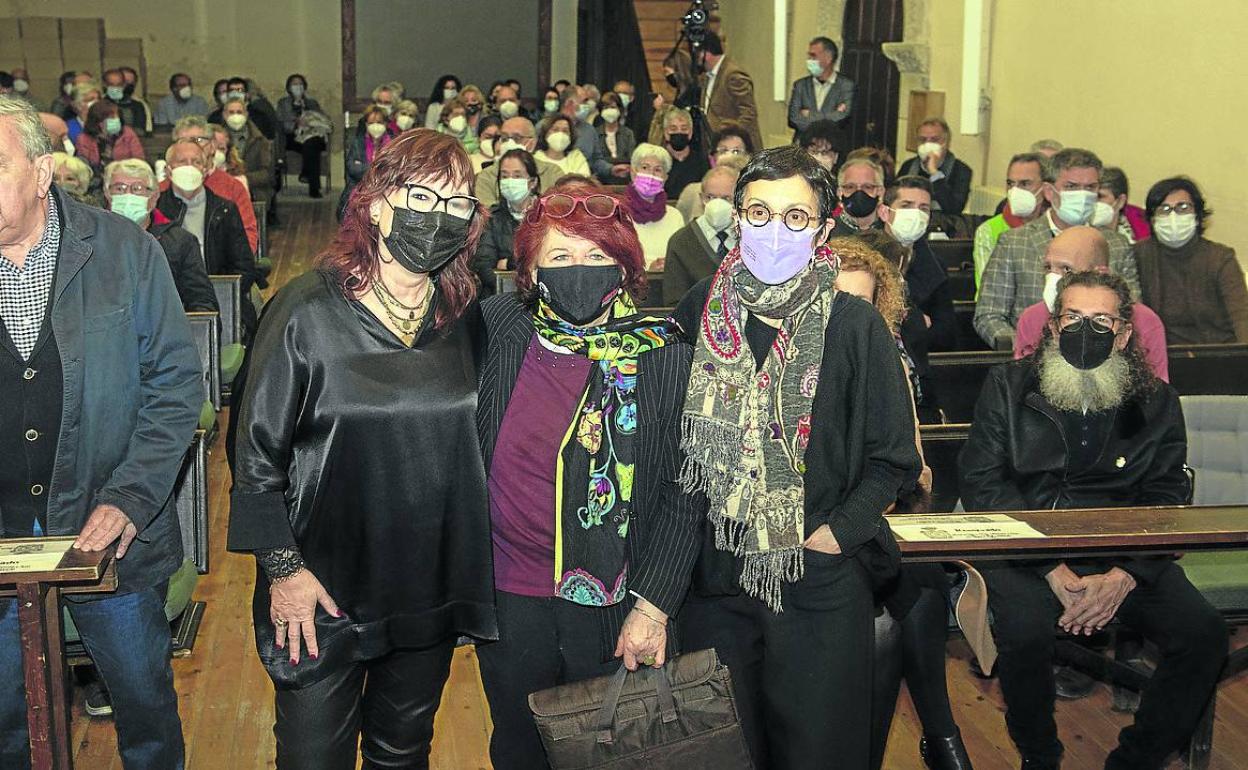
(101, 387)
(1084, 423)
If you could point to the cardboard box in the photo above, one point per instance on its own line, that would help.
(42, 68)
(42, 28)
(83, 30)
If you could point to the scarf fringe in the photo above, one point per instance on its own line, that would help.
(763, 573)
(712, 450)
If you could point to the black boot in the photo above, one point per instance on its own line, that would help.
(944, 753)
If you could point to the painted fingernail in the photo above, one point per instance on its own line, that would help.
(312, 655)
(294, 662)
(338, 613)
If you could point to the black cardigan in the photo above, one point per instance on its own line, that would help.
(662, 538)
(861, 453)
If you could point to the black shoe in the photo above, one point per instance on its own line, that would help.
(944, 753)
(96, 699)
(315, 194)
(1072, 684)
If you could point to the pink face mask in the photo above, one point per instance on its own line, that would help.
(773, 252)
(647, 185)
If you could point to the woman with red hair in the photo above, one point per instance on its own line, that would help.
(580, 427)
(358, 481)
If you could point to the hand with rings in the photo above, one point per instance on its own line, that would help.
(292, 609)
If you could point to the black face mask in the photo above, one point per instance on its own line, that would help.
(1085, 349)
(579, 293)
(473, 109)
(671, 79)
(424, 242)
(127, 90)
(678, 141)
(860, 204)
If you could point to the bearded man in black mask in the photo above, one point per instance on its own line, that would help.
(1083, 423)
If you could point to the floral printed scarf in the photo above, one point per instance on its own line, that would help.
(594, 473)
(745, 431)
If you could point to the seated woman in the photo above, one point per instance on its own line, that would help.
(73, 176)
(1112, 211)
(363, 148)
(487, 132)
(358, 479)
(454, 122)
(656, 221)
(85, 95)
(225, 155)
(255, 150)
(556, 143)
(104, 139)
(445, 89)
(518, 187)
(301, 133)
(616, 141)
(1196, 285)
(580, 425)
(406, 115)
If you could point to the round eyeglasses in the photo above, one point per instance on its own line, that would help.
(1102, 323)
(795, 219)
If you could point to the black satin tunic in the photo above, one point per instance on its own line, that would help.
(363, 453)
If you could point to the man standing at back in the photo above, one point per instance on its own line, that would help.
(101, 382)
(727, 93)
(824, 94)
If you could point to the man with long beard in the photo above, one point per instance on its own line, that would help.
(1084, 423)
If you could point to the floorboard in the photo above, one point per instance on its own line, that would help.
(226, 700)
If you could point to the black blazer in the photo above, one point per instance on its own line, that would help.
(663, 536)
(189, 275)
(951, 192)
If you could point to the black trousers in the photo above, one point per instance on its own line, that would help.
(1170, 612)
(311, 153)
(390, 701)
(801, 677)
(543, 642)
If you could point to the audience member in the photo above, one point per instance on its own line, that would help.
(86, 94)
(259, 111)
(630, 109)
(306, 130)
(21, 86)
(474, 109)
(860, 184)
(255, 150)
(130, 76)
(406, 115)
(1196, 285)
(62, 105)
(1024, 182)
(133, 114)
(488, 130)
(728, 96)
(1046, 148)
(131, 191)
(1014, 276)
(655, 221)
(1080, 250)
(549, 105)
(454, 117)
(906, 213)
(577, 105)
(102, 389)
(823, 140)
(220, 90)
(73, 176)
(516, 134)
(180, 102)
(557, 140)
(695, 251)
(6, 85)
(518, 187)
(881, 158)
(616, 141)
(678, 73)
(690, 204)
(1112, 210)
(950, 177)
(444, 90)
(221, 179)
(105, 138)
(506, 102)
(1089, 380)
(824, 94)
(211, 219)
(365, 145)
(688, 162)
(225, 157)
(592, 97)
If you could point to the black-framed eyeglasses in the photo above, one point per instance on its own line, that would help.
(134, 188)
(1102, 323)
(200, 140)
(1182, 207)
(419, 198)
(795, 219)
(561, 205)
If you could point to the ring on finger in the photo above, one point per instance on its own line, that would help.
(280, 622)
(648, 660)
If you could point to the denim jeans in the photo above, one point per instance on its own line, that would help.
(127, 638)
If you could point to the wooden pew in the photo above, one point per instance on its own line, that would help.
(941, 445)
(964, 319)
(229, 299)
(205, 331)
(1194, 370)
(953, 253)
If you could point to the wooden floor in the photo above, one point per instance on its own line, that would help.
(227, 701)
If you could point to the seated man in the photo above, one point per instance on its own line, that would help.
(180, 102)
(133, 112)
(696, 250)
(517, 134)
(950, 177)
(1014, 277)
(1079, 250)
(823, 140)
(195, 129)
(1085, 424)
(1024, 181)
(213, 220)
(905, 213)
(688, 162)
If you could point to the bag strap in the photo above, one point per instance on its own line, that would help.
(611, 701)
(667, 704)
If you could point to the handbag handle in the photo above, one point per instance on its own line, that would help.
(611, 702)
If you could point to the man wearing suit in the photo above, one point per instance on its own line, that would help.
(824, 94)
(727, 92)
(696, 250)
(1015, 276)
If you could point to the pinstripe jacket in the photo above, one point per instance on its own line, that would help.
(1014, 277)
(663, 535)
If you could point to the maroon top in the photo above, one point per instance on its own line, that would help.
(522, 473)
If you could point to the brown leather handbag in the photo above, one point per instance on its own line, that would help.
(682, 716)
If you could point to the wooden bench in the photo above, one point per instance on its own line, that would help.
(205, 330)
(229, 299)
(953, 253)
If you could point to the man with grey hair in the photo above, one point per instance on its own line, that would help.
(1024, 181)
(860, 186)
(195, 129)
(515, 133)
(102, 382)
(1047, 147)
(696, 250)
(1083, 423)
(1014, 276)
(688, 162)
(578, 105)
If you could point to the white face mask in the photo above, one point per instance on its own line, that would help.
(449, 94)
(508, 145)
(405, 122)
(558, 141)
(928, 148)
(1022, 202)
(70, 149)
(457, 124)
(718, 213)
(184, 93)
(1102, 214)
(1075, 206)
(20, 85)
(236, 121)
(187, 178)
(218, 159)
(375, 130)
(508, 110)
(68, 89)
(610, 115)
(908, 225)
(1175, 229)
(1050, 290)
